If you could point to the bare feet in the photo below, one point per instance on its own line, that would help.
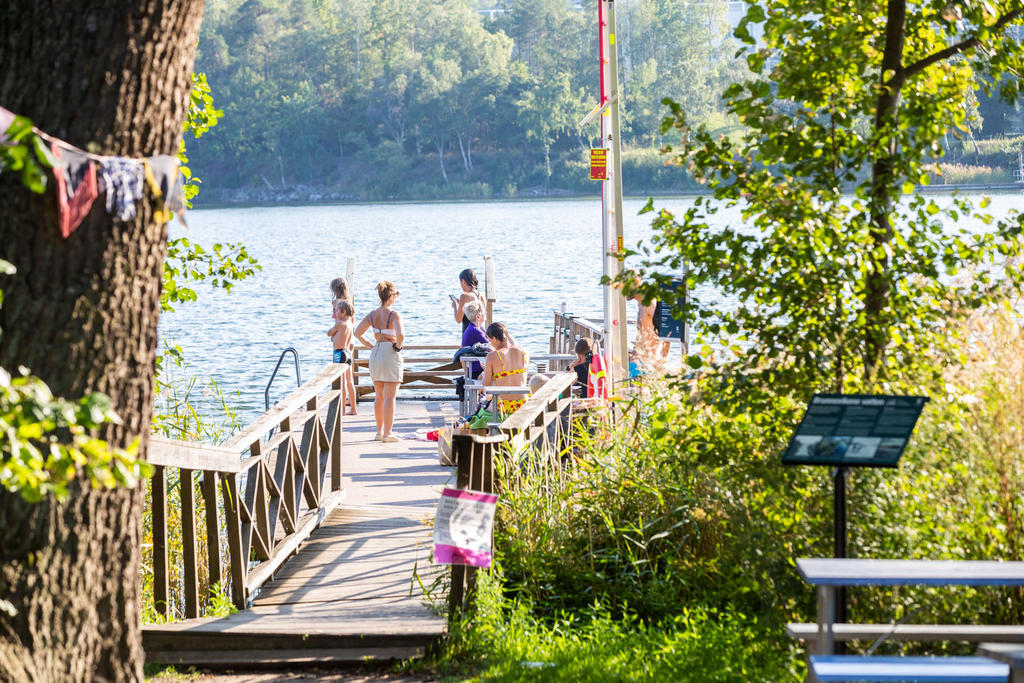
(351, 412)
(390, 438)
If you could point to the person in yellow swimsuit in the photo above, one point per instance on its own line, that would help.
(505, 366)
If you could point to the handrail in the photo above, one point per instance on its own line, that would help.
(274, 494)
(298, 374)
(287, 405)
(538, 402)
(568, 328)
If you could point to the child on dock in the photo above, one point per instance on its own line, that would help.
(341, 335)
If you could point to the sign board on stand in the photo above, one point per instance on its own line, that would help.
(854, 430)
(666, 324)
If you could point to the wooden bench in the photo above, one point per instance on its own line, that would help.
(864, 669)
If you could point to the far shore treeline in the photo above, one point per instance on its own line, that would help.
(340, 100)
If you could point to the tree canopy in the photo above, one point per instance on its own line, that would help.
(843, 278)
(331, 92)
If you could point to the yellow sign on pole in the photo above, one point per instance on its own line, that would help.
(599, 164)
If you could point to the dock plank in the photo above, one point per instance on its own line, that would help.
(353, 589)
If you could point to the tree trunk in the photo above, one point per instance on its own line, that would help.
(110, 76)
(467, 163)
(439, 144)
(877, 286)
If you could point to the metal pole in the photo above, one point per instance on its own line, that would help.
(839, 520)
(490, 288)
(615, 302)
(350, 277)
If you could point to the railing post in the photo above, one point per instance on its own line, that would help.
(238, 560)
(161, 586)
(334, 428)
(188, 540)
(209, 490)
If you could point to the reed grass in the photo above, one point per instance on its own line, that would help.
(967, 174)
(676, 533)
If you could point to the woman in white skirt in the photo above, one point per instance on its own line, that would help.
(385, 358)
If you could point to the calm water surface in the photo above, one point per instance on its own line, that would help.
(545, 253)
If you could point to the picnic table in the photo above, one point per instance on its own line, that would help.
(829, 574)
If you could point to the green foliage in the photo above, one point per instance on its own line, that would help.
(23, 151)
(313, 90)
(200, 118)
(685, 505)
(836, 279)
(188, 263)
(506, 641)
(47, 441)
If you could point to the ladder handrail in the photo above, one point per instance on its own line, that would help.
(298, 374)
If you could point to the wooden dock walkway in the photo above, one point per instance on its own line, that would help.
(354, 589)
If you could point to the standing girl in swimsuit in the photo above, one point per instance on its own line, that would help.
(505, 367)
(470, 292)
(385, 358)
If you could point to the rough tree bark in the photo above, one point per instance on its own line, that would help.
(112, 77)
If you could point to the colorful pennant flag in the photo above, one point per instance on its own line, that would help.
(81, 177)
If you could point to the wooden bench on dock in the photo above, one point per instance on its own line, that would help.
(427, 368)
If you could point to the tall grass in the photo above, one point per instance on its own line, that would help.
(507, 641)
(677, 533)
(966, 174)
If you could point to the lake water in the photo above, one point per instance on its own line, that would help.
(545, 253)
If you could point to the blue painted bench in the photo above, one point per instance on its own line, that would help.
(828, 574)
(865, 669)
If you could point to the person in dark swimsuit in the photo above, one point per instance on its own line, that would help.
(470, 292)
(584, 354)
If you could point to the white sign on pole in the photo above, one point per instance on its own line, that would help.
(463, 527)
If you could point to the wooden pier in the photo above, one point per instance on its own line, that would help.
(322, 533)
(353, 590)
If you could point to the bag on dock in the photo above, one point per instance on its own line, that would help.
(444, 447)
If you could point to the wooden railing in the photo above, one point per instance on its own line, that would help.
(569, 328)
(528, 427)
(531, 424)
(427, 367)
(281, 461)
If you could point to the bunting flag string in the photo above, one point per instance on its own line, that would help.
(81, 177)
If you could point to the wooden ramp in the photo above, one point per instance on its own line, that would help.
(354, 589)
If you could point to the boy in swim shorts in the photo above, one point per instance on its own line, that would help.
(341, 336)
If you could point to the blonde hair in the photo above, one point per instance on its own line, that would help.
(343, 306)
(386, 290)
(472, 310)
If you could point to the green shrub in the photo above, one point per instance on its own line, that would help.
(686, 506)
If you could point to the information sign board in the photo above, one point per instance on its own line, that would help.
(666, 324)
(599, 164)
(854, 430)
